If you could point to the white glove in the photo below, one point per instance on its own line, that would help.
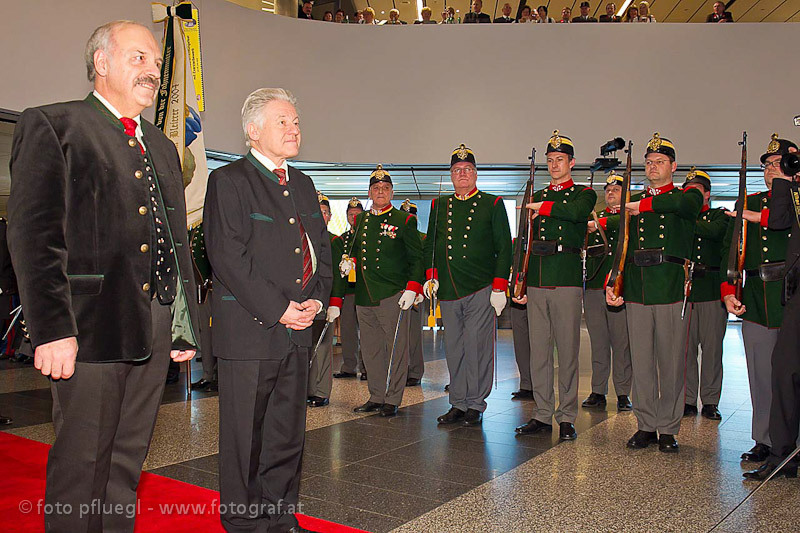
(418, 299)
(332, 313)
(498, 300)
(407, 299)
(346, 265)
(431, 284)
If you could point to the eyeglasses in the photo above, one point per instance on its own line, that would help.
(654, 162)
(464, 170)
(773, 164)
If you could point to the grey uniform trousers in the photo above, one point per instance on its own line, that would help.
(320, 377)
(608, 332)
(351, 345)
(469, 329)
(207, 352)
(658, 355)
(416, 362)
(759, 342)
(706, 329)
(104, 416)
(554, 317)
(378, 324)
(522, 344)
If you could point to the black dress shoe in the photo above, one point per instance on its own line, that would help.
(452, 416)
(642, 439)
(205, 384)
(363, 376)
(317, 401)
(473, 417)
(388, 410)
(5, 420)
(447, 388)
(522, 394)
(594, 401)
(412, 382)
(369, 407)
(711, 412)
(689, 410)
(623, 403)
(763, 472)
(533, 426)
(667, 444)
(757, 453)
(566, 431)
(340, 375)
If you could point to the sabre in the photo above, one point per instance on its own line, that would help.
(319, 342)
(394, 345)
(495, 352)
(16, 314)
(688, 268)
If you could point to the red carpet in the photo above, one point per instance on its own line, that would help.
(165, 504)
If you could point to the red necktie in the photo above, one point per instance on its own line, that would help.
(308, 270)
(130, 129)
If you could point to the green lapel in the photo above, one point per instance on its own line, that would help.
(97, 104)
(261, 168)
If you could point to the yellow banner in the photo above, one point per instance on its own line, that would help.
(191, 29)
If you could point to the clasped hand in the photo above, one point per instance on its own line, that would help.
(299, 316)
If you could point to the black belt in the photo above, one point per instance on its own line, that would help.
(542, 248)
(768, 271)
(700, 270)
(653, 256)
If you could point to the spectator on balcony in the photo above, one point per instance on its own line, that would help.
(611, 14)
(426, 14)
(394, 17)
(339, 16)
(327, 17)
(476, 16)
(358, 17)
(369, 16)
(644, 12)
(305, 11)
(506, 18)
(525, 15)
(719, 14)
(566, 13)
(632, 14)
(449, 15)
(543, 17)
(584, 16)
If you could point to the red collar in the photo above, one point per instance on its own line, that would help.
(655, 191)
(611, 211)
(381, 212)
(704, 209)
(561, 186)
(467, 196)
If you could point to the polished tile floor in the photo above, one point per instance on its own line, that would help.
(407, 474)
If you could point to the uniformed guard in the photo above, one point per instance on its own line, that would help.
(522, 347)
(387, 254)
(202, 279)
(708, 318)
(469, 246)
(555, 277)
(351, 345)
(416, 361)
(320, 374)
(607, 326)
(662, 226)
(760, 309)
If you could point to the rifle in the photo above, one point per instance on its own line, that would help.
(739, 238)
(618, 267)
(522, 252)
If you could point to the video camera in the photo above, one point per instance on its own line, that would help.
(604, 162)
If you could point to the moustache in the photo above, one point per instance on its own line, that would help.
(147, 79)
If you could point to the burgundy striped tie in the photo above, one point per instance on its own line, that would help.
(308, 270)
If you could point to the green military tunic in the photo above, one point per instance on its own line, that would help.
(561, 219)
(473, 244)
(337, 250)
(709, 234)
(600, 265)
(666, 222)
(388, 256)
(762, 299)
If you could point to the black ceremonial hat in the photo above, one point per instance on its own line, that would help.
(322, 199)
(614, 179)
(462, 154)
(777, 146)
(379, 175)
(560, 143)
(698, 176)
(660, 145)
(409, 207)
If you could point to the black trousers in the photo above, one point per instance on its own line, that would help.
(104, 416)
(784, 415)
(262, 413)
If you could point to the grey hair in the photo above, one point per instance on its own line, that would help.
(102, 39)
(255, 103)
